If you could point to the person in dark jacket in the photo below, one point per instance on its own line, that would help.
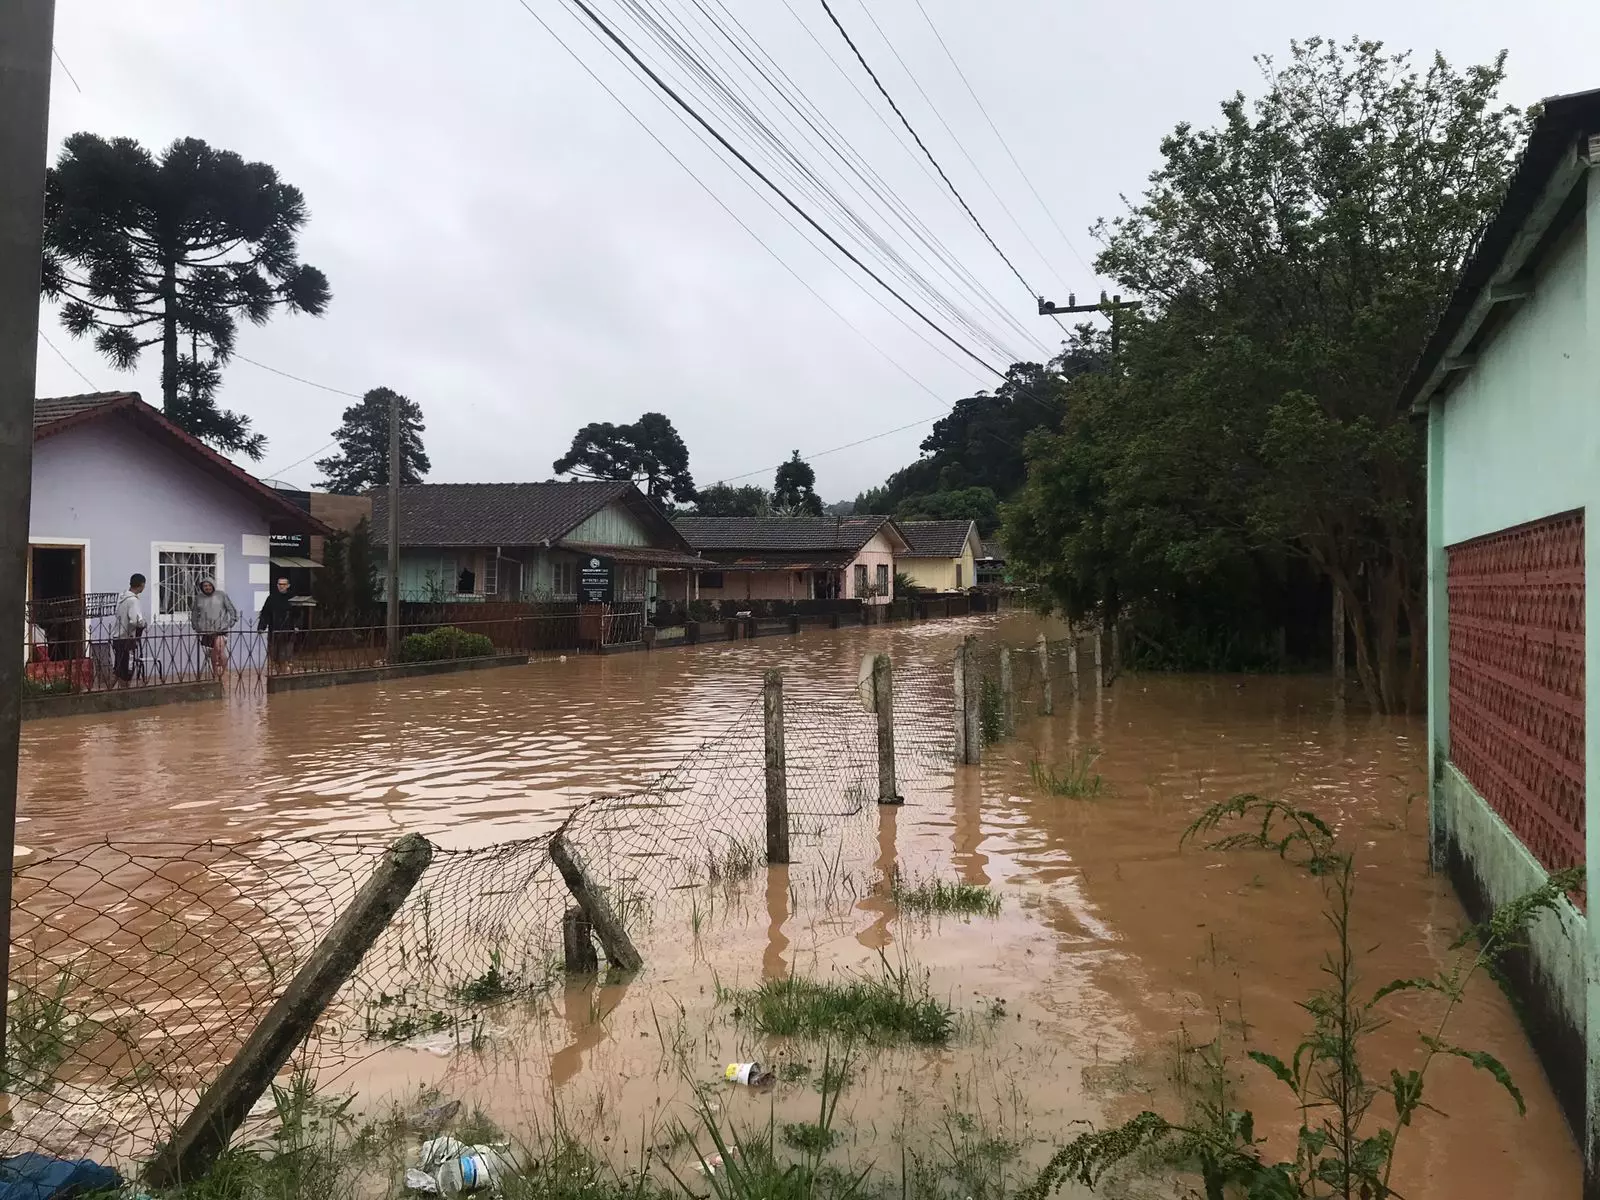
(278, 618)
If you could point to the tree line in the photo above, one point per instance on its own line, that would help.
(1245, 456)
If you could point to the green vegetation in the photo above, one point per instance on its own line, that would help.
(1246, 454)
(1346, 1143)
(810, 1138)
(991, 714)
(1074, 779)
(44, 1026)
(929, 896)
(446, 642)
(891, 1006)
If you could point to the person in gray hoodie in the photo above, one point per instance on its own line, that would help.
(213, 616)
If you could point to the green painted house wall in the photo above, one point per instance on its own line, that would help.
(1517, 439)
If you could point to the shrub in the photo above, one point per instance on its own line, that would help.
(443, 643)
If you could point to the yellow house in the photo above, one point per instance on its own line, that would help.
(942, 556)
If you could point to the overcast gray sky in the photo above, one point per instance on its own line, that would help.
(509, 248)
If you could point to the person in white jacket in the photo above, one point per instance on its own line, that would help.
(127, 628)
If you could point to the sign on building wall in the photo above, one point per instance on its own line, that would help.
(290, 545)
(596, 581)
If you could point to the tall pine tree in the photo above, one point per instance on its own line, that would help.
(363, 458)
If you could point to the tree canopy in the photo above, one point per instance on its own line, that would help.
(724, 500)
(794, 489)
(363, 458)
(1292, 260)
(648, 451)
(172, 251)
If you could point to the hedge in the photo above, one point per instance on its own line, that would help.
(445, 642)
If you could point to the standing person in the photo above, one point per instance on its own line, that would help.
(213, 616)
(127, 627)
(278, 619)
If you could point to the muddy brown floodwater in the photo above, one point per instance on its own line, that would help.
(1112, 941)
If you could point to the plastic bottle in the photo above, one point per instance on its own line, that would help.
(472, 1171)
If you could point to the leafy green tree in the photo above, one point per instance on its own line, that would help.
(1292, 261)
(794, 489)
(648, 451)
(724, 500)
(363, 458)
(346, 588)
(966, 504)
(172, 251)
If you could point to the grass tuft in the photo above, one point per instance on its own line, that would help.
(927, 897)
(1075, 778)
(894, 1006)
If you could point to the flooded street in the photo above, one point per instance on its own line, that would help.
(1111, 943)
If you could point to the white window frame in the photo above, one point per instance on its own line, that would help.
(156, 551)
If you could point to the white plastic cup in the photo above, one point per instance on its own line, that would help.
(743, 1073)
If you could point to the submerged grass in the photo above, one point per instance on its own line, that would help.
(892, 1006)
(1074, 779)
(927, 897)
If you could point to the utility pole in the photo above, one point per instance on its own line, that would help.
(394, 530)
(1111, 307)
(25, 40)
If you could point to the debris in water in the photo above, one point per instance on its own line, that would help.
(749, 1074)
(434, 1118)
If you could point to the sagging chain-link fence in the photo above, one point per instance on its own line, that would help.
(139, 970)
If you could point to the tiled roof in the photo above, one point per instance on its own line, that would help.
(995, 551)
(57, 408)
(505, 514)
(779, 533)
(936, 539)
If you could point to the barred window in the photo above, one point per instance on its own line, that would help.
(179, 570)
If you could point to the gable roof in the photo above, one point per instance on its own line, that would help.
(785, 533)
(511, 514)
(939, 539)
(54, 415)
(1558, 154)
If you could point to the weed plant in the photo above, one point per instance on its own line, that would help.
(1346, 1143)
(1076, 779)
(930, 897)
(889, 1007)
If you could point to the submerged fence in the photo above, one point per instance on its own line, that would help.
(141, 971)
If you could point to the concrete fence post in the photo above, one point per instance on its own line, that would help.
(1008, 695)
(1339, 626)
(223, 1106)
(777, 768)
(883, 705)
(1047, 702)
(969, 697)
(1099, 656)
(959, 713)
(603, 919)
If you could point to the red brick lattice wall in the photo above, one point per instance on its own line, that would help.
(1516, 680)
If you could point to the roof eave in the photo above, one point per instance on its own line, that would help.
(1446, 353)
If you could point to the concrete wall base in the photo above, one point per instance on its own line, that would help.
(322, 679)
(119, 699)
(1489, 866)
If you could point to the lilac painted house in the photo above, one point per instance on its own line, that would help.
(119, 489)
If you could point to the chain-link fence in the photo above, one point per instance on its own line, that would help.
(140, 969)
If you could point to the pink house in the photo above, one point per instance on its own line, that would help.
(790, 558)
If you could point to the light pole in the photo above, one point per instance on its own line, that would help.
(1111, 307)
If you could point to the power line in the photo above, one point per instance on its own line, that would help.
(1050, 216)
(72, 366)
(725, 208)
(274, 474)
(954, 191)
(655, 78)
(66, 68)
(834, 450)
(298, 379)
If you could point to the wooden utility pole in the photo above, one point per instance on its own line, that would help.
(393, 614)
(25, 38)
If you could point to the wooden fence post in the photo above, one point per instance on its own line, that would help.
(577, 943)
(777, 769)
(960, 695)
(603, 919)
(971, 703)
(883, 705)
(1047, 704)
(224, 1105)
(1008, 699)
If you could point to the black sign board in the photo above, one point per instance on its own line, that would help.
(291, 545)
(595, 581)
